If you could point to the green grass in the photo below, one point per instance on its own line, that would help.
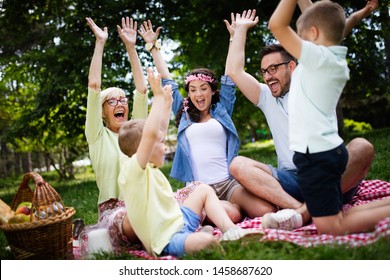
(82, 194)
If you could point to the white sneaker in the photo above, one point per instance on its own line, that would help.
(287, 219)
(236, 233)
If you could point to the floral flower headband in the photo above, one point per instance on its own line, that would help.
(201, 77)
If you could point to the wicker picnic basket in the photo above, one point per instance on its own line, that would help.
(49, 233)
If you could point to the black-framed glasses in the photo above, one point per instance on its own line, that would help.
(113, 102)
(273, 68)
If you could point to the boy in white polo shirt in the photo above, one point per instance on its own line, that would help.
(316, 86)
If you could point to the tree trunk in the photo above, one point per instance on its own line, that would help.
(47, 162)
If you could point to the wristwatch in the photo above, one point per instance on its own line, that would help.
(150, 46)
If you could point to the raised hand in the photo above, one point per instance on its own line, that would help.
(357, 16)
(155, 85)
(154, 82)
(371, 5)
(247, 19)
(231, 27)
(128, 32)
(147, 33)
(167, 90)
(101, 35)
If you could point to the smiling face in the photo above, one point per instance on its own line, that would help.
(115, 116)
(201, 94)
(279, 82)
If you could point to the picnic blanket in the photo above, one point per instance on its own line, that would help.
(307, 236)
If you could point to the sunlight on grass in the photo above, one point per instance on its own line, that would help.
(258, 144)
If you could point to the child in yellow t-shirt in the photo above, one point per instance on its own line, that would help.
(160, 223)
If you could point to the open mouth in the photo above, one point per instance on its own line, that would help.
(273, 86)
(119, 115)
(201, 102)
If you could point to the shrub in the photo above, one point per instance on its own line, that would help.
(354, 126)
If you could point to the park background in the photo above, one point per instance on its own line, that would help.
(45, 52)
(46, 48)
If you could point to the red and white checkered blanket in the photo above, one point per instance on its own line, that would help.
(308, 236)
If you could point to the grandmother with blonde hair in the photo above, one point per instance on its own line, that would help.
(107, 110)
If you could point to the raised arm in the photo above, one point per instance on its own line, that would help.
(95, 69)
(353, 19)
(156, 124)
(279, 24)
(304, 4)
(357, 16)
(151, 37)
(235, 61)
(128, 35)
(166, 110)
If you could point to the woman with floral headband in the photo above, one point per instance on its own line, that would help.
(207, 139)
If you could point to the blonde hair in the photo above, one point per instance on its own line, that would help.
(327, 16)
(110, 92)
(130, 135)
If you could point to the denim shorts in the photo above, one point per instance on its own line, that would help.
(288, 180)
(175, 246)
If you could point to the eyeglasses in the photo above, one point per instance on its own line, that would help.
(273, 68)
(113, 102)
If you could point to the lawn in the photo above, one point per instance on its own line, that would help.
(82, 195)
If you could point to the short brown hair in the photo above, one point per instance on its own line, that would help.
(327, 16)
(130, 135)
(276, 48)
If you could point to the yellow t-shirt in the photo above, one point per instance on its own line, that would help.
(151, 207)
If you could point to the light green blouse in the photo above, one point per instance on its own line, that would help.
(103, 144)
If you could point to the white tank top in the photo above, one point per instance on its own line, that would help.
(208, 151)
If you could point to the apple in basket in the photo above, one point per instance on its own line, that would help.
(24, 208)
(19, 218)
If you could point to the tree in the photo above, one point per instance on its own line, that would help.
(204, 40)
(367, 94)
(46, 49)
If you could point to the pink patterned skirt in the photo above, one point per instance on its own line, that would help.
(110, 215)
(112, 212)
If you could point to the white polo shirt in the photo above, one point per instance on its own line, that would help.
(276, 113)
(316, 86)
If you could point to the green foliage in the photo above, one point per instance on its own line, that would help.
(379, 138)
(354, 126)
(47, 48)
